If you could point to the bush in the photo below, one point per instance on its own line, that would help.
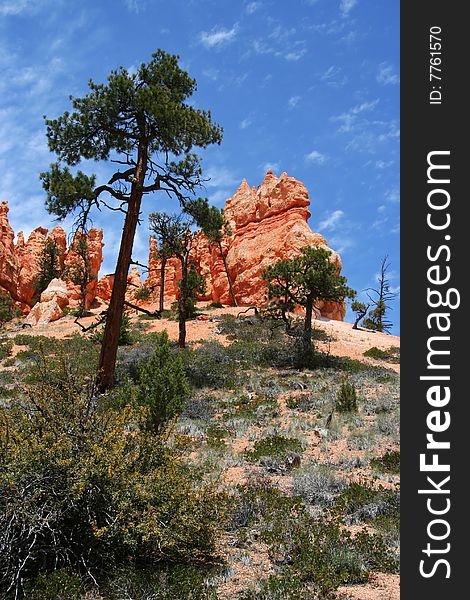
(162, 385)
(58, 585)
(313, 556)
(125, 335)
(5, 348)
(391, 354)
(363, 504)
(142, 293)
(210, 366)
(346, 400)
(388, 463)
(8, 311)
(318, 485)
(274, 446)
(83, 487)
(173, 582)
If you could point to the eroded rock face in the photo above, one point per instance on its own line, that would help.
(268, 223)
(8, 262)
(43, 313)
(20, 261)
(50, 307)
(73, 260)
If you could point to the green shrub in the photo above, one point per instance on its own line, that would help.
(216, 436)
(209, 365)
(215, 305)
(318, 485)
(162, 385)
(388, 463)
(391, 354)
(5, 348)
(125, 336)
(8, 311)
(142, 293)
(346, 400)
(313, 555)
(172, 582)
(85, 487)
(362, 504)
(58, 585)
(275, 446)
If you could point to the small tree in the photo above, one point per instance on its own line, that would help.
(165, 229)
(216, 228)
(376, 320)
(195, 286)
(305, 280)
(79, 272)
(7, 308)
(176, 234)
(361, 310)
(143, 121)
(163, 386)
(49, 266)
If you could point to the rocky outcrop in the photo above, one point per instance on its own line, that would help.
(51, 304)
(20, 261)
(8, 261)
(268, 223)
(74, 262)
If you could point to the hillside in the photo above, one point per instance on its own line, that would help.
(306, 460)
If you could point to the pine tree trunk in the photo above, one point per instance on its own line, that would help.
(109, 346)
(162, 284)
(224, 259)
(307, 333)
(182, 305)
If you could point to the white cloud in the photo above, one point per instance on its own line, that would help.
(134, 5)
(316, 158)
(218, 37)
(295, 54)
(393, 195)
(331, 221)
(349, 118)
(387, 75)
(211, 73)
(252, 7)
(341, 243)
(220, 176)
(381, 164)
(293, 101)
(245, 123)
(15, 7)
(345, 6)
(275, 167)
(330, 72)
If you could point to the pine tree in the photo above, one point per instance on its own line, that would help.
(304, 281)
(144, 122)
(49, 266)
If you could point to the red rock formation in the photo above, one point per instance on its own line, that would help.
(94, 245)
(268, 224)
(105, 286)
(8, 262)
(20, 262)
(50, 307)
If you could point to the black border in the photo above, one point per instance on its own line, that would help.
(425, 128)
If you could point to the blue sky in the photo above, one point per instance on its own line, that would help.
(310, 87)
